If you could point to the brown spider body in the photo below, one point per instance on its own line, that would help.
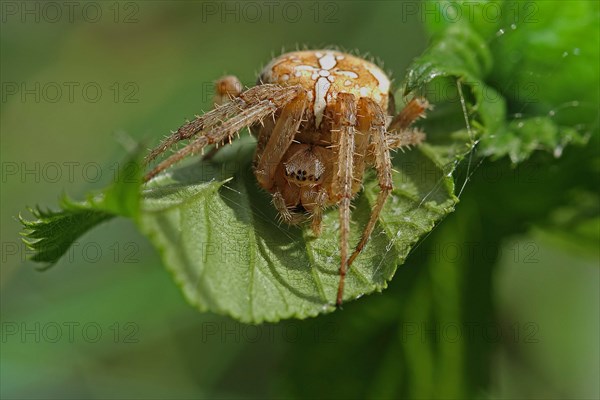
(329, 121)
(306, 167)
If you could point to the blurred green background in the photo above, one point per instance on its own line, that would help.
(500, 301)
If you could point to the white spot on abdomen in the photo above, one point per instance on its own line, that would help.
(327, 61)
(303, 68)
(384, 82)
(321, 88)
(349, 74)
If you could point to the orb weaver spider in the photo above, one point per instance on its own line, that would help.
(320, 118)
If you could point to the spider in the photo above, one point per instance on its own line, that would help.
(320, 118)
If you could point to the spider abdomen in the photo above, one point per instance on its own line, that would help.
(324, 74)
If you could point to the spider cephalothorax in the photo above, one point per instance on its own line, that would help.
(330, 121)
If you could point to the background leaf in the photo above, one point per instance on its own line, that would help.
(52, 233)
(532, 43)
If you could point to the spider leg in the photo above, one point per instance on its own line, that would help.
(361, 147)
(226, 89)
(288, 216)
(214, 117)
(399, 132)
(414, 110)
(256, 103)
(372, 120)
(227, 103)
(314, 200)
(281, 137)
(342, 138)
(407, 137)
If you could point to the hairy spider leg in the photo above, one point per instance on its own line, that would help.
(315, 201)
(258, 103)
(399, 134)
(372, 119)
(227, 88)
(280, 140)
(342, 137)
(198, 124)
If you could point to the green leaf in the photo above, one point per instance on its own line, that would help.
(51, 233)
(524, 136)
(527, 45)
(221, 238)
(461, 54)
